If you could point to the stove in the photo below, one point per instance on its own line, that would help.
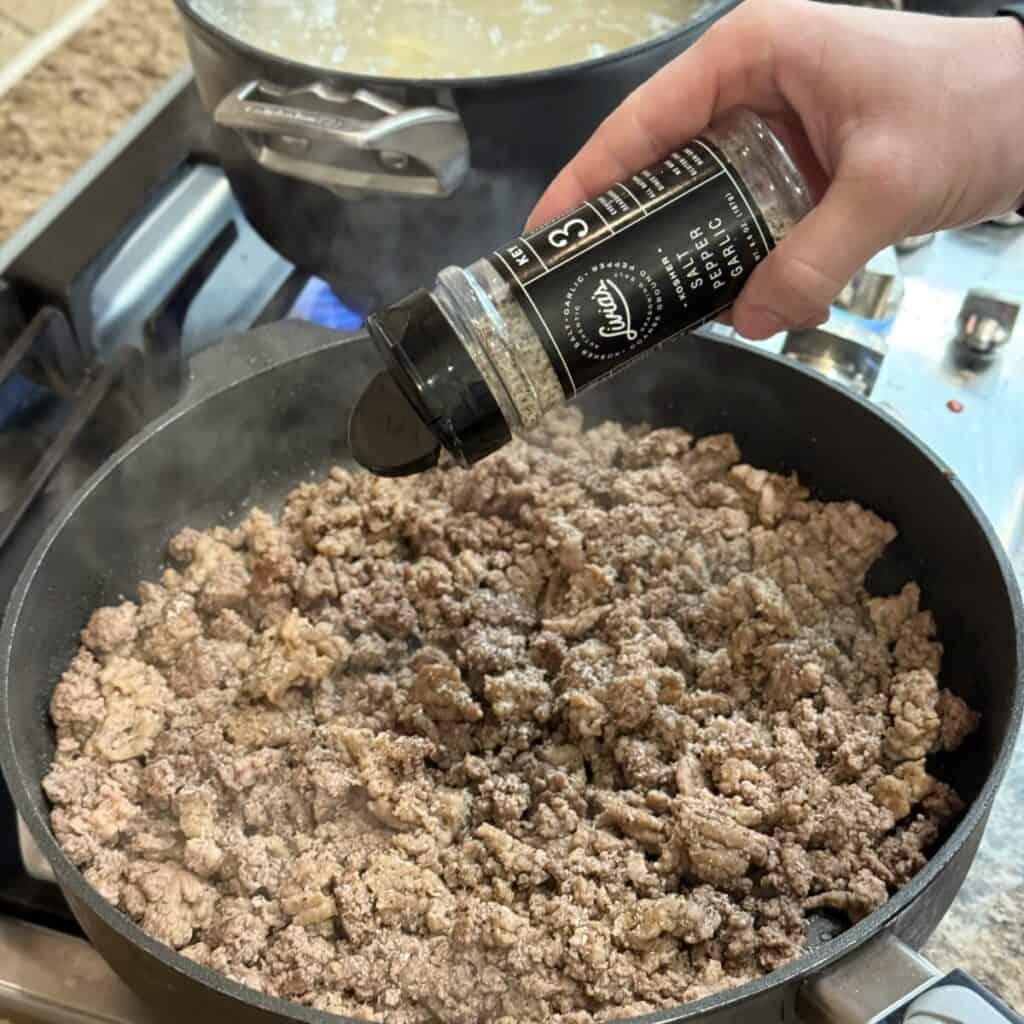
(113, 301)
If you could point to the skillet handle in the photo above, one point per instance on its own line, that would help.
(886, 982)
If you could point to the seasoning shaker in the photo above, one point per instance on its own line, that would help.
(494, 346)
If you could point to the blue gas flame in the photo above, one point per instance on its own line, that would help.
(318, 304)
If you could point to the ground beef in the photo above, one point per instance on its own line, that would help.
(584, 732)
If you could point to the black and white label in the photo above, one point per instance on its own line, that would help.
(660, 253)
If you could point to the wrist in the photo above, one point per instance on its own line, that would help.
(1011, 19)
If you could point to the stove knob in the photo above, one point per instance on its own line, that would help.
(874, 294)
(841, 350)
(914, 242)
(1009, 220)
(714, 331)
(986, 321)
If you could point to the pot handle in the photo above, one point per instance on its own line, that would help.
(348, 142)
(886, 982)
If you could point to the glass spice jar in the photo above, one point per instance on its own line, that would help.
(496, 345)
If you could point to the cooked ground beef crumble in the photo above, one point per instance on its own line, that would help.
(583, 732)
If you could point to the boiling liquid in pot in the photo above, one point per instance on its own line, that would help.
(444, 38)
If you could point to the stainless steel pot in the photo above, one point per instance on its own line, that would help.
(376, 183)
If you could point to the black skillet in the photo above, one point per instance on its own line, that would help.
(250, 441)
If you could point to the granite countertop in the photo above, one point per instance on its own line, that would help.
(64, 110)
(983, 932)
(76, 99)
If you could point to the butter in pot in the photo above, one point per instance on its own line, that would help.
(444, 38)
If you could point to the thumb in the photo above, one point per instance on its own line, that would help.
(798, 281)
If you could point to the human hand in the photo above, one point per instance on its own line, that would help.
(902, 123)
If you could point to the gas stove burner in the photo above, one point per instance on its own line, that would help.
(20, 450)
(317, 303)
(19, 396)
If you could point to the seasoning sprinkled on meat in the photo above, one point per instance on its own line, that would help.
(584, 732)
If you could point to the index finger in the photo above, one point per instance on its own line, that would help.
(731, 64)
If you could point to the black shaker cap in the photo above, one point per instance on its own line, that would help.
(438, 378)
(386, 435)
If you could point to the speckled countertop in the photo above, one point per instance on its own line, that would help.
(77, 98)
(983, 932)
(69, 105)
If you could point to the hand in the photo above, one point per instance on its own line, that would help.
(902, 123)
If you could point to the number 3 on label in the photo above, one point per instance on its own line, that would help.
(571, 231)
